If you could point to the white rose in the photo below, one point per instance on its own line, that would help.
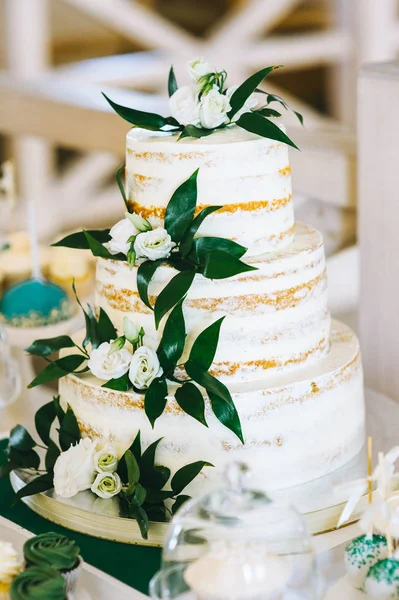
(74, 469)
(10, 564)
(120, 233)
(214, 108)
(139, 222)
(106, 460)
(199, 67)
(250, 102)
(109, 366)
(106, 485)
(184, 105)
(153, 244)
(144, 368)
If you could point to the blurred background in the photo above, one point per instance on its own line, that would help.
(57, 55)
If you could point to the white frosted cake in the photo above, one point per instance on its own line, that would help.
(295, 378)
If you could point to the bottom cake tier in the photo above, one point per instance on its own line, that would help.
(297, 425)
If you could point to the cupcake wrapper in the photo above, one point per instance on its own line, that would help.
(72, 576)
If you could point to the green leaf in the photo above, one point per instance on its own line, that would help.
(172, 83)
(158, 496)
(98, 249)
(155, 478)
(172, 293)
(220, 265)
(118, 177)
(274, 98)
(44, 418)
(52, 454)
(244, 91)
(187, 241)
(203, 245)
(255, 123)
(146, 120)
(131, 255)
(79, 240)
(133, 469)
(221, 400)
(6, 468)
(186, 475)
(195, 132)
(148, 458)
(106, 329)
(190, 399)
(181, 208)
(37, 485)
(138, 513)
(145, 272)
(173, 339)
(155, 399)
(204, 348)
(92, 334)
(121, 384)
(50, 345)
(24, 459)
(135, 448)
(57, 369)
(268, 112)
(69, 432)
(139, 496)
(60, 413)
(20, 439)
(180, 500)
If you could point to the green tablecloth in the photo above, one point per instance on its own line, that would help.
(134, 565)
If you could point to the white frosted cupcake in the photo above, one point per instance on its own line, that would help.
(10, 566)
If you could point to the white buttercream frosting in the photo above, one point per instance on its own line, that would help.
(247, 174)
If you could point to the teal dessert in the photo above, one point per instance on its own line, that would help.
(55, 551)
(382, 581)
(38, 583)
(361, 554)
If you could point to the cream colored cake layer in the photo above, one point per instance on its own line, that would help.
(247, 174)
(298, 425)
(276, 317)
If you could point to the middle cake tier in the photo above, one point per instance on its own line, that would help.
(276, 316)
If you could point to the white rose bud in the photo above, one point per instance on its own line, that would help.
(214, 109)
(109, 366)
(144, 368)
(107, 485)
(10, 564)
(250, 102)
(120, 234)
(132, 333)
(184, 105)
(139, 222)
(106, 460)
(199, 67)
(74, 469)
(154, 244)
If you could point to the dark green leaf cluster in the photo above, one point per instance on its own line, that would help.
(22, 453)
(143, 494)
(256, 121)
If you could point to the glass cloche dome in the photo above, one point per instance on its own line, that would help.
(236, 544)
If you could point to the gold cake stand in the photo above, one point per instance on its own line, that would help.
(316, 499)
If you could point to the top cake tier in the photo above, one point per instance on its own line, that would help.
(248, 175)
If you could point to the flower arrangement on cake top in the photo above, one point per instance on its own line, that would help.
(206, 105)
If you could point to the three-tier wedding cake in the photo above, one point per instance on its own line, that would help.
(295, 377)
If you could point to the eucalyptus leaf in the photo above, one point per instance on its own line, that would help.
(190, 399)
(187, 241)
(194, 132)
(155, 399)
(57, 369)
(184, 476)
(172, 82)
(146, 120)
(204, 348)
(172, 293)
(246, 89)
(121, 384)
(98, 249)
(181, 208)
(145, 273)
(39, 484)
(173, 339)
(79, 240)
(69, 432)
(20, 439)
(203, 245)
(106, 329)
(255, 123)
(180, 500)
(118, 177)
(50, 345)
(44, 418)
(220, 265)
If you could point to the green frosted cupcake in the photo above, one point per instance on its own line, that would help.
(55, 551)
(38, 583)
